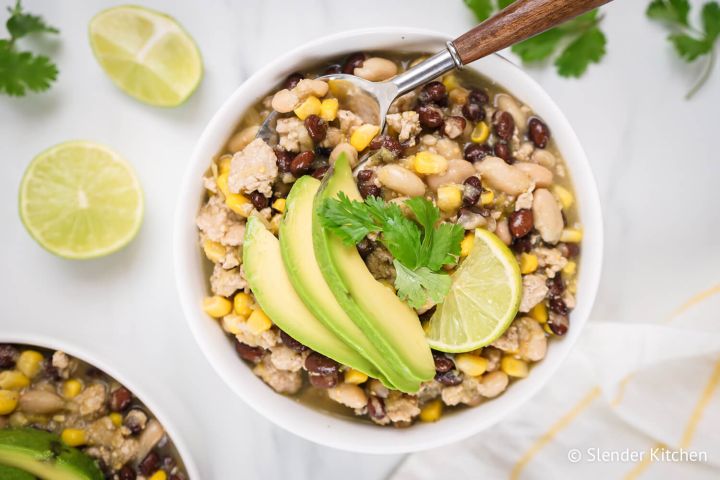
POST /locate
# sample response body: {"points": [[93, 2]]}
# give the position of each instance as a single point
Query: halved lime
{"points": [[81, 200], [147, 54], [483, 300]]}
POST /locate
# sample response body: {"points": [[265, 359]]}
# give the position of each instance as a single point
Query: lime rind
{"points": [[483, 300], [39, 221]]}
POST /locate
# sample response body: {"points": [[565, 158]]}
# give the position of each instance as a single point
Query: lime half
{"points": [[483, 300], [81, 200], [147, 54]]}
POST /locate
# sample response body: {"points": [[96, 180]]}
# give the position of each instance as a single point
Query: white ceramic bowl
{"points": [[82, 354], [344, 433]]}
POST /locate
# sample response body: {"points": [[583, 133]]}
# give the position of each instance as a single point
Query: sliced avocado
{"points": [[12, 473], [387, 321], [268, 279], [44, 455], [296, 244]]}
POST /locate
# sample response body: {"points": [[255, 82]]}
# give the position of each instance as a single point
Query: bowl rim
{"points": [[84, 354], [337, 432]]}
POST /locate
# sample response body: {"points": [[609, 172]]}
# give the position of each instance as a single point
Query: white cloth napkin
{"points": [[631, 401]]}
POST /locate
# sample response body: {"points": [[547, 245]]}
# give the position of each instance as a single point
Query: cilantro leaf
{"points": [[540, 46], [711, 21], [671, 11], [481, 8], [21, 24], [416, 286], [349, 220], [445, 246], [399, 234], [586, 49], [689, 48], [22, 71]]}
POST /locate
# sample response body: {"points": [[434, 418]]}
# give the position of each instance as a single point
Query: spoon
{"points": [[519, 21]]}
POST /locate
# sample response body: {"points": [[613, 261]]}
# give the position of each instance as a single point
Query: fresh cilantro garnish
{"points": [[579, 41], [690, 42], [22, 71], [420, 248]]}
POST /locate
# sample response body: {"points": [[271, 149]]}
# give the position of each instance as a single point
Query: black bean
{"points": [[433, 92], [246, 352], [503, 124], [120, 399], [316, 127], [365, 247], [520, 222], [427, 315], [320, 172], [443, 363], [322, 155], [569, 250], [291, 343], [388, 142], [522, 244], [292, 80], [8, 356], [324, 381], [284, 160], [369, 190], [449, 378], [168, 463], [430, 116], [558, 306], [502, 150], [127, 473], [376, 408], [149, 464], [473, 111], [556, 286], [333, 69], [258, 200], [302, 163], [538, 132], [320, 364], [475, 152], [135, 421], [478, 96], [559, 324], [471, 191], [365, 175], [354, 61]]}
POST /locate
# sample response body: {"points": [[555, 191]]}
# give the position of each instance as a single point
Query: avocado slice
{"points": [[12, 473], [44, 455], [268, 279], [296, 244], [389, 323]]}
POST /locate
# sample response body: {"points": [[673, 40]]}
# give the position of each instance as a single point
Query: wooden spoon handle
{"points": [[519, 21]]}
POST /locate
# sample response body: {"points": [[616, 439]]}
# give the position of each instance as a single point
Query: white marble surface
{"points": [[654, 155]]}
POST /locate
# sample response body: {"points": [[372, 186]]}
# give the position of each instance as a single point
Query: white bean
{"points": [[153, 433], [40, 402], [401, 180], [242, 138], [547, 216], [285, 101], [348, 150], [532, 341], [376, 69], [539, 174], [508, 103], [503, 177], [448, 149], [457, 172], [543, 157], [493, 384], [503, 231], [349, 395], [307, 87]]}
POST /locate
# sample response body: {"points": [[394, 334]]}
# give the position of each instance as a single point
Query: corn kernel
{"points": [[480, 133], [8, 401], [116, 418], [214, 251], [73, 437], [224, 164], [539, 312], [328, 109], [311, 106], [431, 411], [239, 204], [428, 163], [71, 388], [471, 364], [467, 244], [159, 475], [355, 377], [222, 183], [363, 135], [13, 380], [279, 205], [572, 287], [514, 367], [258, 322], [450, 81], [569, 268], [449, 198], [547, 329], [29, 363], [217, 306], [231, 323], [528, 263], [571, 235], [242, 304], [487, 197], [563, 194]]}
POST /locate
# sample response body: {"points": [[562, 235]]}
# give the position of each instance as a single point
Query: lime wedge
{"points": [[147, 54], [483, 300], [81, 200]]}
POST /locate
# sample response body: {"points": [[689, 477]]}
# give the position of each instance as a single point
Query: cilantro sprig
{"points": [[21, 71], [690, 42], [580, 42], [420, 248]]}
